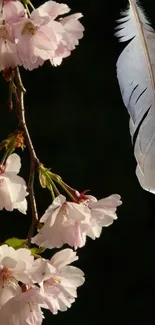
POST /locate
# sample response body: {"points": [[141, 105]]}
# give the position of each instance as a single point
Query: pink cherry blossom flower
{"points": [[73, 29], [103, 213], [12, 187], [59, 281], [24, 308], [40, 37], [14, 267], [34, 39], [65, 222]]}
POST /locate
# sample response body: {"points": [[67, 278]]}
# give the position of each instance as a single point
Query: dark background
{"points": [[79, 128]]}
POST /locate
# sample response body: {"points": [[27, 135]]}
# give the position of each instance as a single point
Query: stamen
{"points": [[5, 277], [30, 302], [64, 211], [4, 33], [29, 29], [31, 305], [52, 282]]}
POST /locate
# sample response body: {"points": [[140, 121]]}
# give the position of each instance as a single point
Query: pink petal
{"points": [[9, 56], [63, 257], [17, 188], [94, 231], [50, 10], [13, 11], [5, 198], [78, 212], [111, 201], [13, 163]]}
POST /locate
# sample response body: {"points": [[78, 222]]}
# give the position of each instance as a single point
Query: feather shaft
{"points": [[142, 37]]}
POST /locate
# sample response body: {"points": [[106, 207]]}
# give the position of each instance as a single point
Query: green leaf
{"points": [[15, 242], [36, 251]]}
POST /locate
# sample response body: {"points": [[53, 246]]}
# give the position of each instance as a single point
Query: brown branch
{"points": [[34, 161]]}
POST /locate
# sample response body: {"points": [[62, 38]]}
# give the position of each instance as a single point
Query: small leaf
{"points": [[15, 242], [36, 251]]}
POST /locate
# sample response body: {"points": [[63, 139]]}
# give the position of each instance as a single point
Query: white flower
{"points": [[70, 223], [58, 280], [14, 267], [65, 222], [23, 309], [12, 187], [103, 213]]}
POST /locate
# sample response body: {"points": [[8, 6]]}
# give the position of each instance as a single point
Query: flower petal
{"points": [[21, 206], [63, 257], [50, 10], [13, 164], [5, 197], [17, 187]]}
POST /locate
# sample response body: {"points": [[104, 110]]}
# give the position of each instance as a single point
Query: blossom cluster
{"points": [[30, 283], [27, 285], [64, 222], [28, 39]]}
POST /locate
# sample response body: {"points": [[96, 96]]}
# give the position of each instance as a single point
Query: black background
{"points": [[79, 127]]}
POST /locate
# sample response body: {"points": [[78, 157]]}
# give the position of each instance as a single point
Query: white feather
{"points": [[135, 72]]}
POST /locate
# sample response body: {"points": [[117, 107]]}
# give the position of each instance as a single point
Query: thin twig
{"points": [[34, 161]]}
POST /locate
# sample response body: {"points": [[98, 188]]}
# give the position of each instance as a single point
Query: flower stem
{"points": [[31, 5], [62, 184], [52, 192], [55, 188], [34, 161], [28, 11]]}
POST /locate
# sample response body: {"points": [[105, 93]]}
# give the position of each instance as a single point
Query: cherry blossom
{"points": [[31, 40], [24, 308], [103, 213], [69, 222], [12, 187], [72, 29], [14, 267], [34, 39], [65, 222], [58, 280]]}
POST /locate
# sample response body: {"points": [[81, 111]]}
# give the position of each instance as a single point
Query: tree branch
{"points": [[34, 161]]}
